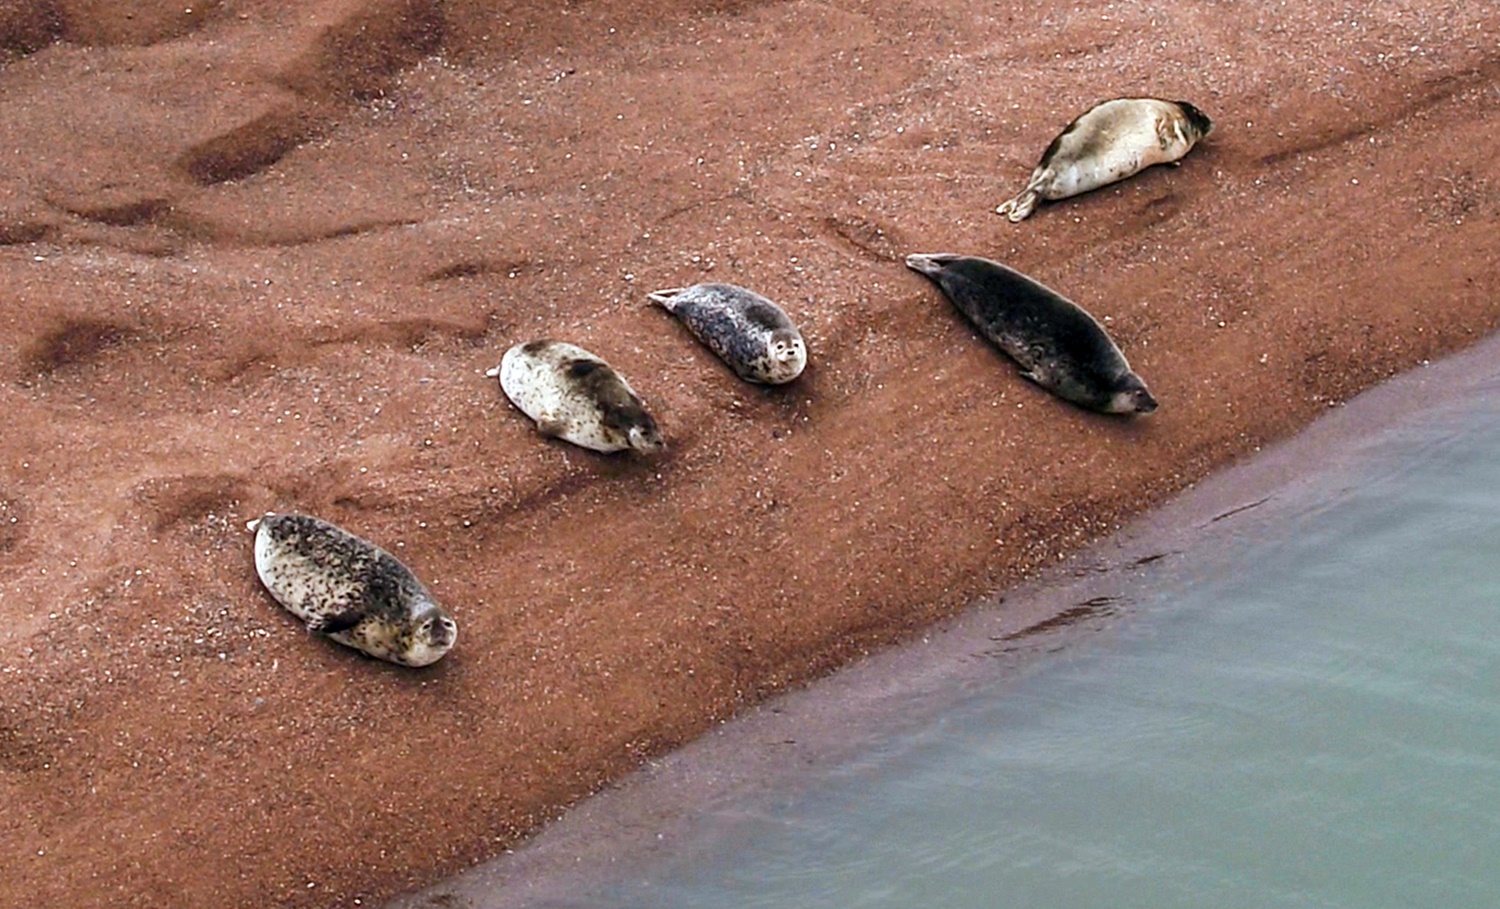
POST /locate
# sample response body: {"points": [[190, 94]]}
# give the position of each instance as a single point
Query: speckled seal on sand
{"points": [[754, 336], [350, 590], [1109, 142], [577, 397], [1058, 345]]}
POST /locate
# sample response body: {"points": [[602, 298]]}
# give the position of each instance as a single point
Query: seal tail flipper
{"points": [[929, 264], [663, 298], [1020, 207]]}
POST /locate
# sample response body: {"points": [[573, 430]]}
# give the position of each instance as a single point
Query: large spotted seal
{"points": [[350, 590], [748, 332], [577, 397], [1109, 142], [1058, 345]]}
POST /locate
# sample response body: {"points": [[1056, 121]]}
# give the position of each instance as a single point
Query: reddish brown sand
{"points": [[257, 254]]}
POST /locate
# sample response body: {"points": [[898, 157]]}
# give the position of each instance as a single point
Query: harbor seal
{"points": [[1058, 345], [747, 331], [577, 397], [350, 590], [1109, 142]]}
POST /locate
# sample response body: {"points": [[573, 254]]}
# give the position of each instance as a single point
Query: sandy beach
{"points": [[709, 810], [258, 256]]}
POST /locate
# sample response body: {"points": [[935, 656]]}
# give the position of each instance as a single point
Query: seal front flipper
{"points": [[550, 427], [333, 623]]}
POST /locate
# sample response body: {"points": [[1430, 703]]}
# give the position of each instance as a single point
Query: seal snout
{"points": [[788, 355], [442, 631], [646, 438], [1134, 397]]}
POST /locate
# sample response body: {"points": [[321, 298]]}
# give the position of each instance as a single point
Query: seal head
{"points": [[752, 335], [1199, 125], [350, 590], [1057, 344], [577, 397]]}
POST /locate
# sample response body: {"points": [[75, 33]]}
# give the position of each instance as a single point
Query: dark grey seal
{"points": [[1058, 345]]}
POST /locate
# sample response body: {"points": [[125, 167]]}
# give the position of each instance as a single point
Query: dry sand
{"points": [[257, 255]]}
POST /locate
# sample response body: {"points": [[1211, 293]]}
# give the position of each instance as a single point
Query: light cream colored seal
{"points": [[1110, 142], [577, 397]]}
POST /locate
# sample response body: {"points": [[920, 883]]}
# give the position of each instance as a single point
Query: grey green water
{"points": [[1307, 717]]}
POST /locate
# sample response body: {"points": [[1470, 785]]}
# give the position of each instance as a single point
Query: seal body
{"points": [[1057, 344], [350, 590], [577, 397], [1110, 142], [747, 331]]}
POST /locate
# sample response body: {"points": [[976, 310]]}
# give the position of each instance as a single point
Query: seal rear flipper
{"points": [[663, 298], [930, 264], [1019, 208], [336, 622]]}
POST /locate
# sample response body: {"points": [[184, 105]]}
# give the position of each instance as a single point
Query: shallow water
{"points": [[1306, 716]]}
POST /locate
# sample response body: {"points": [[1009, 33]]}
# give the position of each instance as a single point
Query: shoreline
{"points": [[781, 746], [260, 259]]}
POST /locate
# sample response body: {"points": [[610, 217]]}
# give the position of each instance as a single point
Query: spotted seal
{"points": [[1109, 142], [1058, 345], [577, 397], [350, 590], [747, 331]]}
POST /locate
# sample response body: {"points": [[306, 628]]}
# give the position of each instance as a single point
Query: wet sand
{"points": [[258, 256]]}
